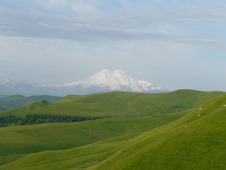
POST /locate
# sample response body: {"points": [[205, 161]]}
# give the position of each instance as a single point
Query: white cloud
{"points": [[166, 41], [81, 7], [84, 7], [90, 29], [166, 25]]}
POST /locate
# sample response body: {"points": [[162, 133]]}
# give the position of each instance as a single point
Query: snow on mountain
{"points": [[103, 81], [7, 81], [115, 80]]}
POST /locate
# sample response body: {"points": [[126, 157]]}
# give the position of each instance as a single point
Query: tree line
{"points": [[32, 119]]}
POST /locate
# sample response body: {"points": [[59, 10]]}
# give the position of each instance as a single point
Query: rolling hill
{"points": [[18, 100], [118, 104], [195, 141], [18, 141]]}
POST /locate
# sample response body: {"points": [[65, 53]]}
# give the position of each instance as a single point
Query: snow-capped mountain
{"points": [[115, 80], [103, 81]]}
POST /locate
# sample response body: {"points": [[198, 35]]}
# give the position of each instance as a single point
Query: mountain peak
{"points": [[107, 71], [115, 80], [104, 71], [119, 72], [103, 81]]}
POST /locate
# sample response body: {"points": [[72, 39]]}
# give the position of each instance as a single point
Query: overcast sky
{"points": [[175, 44]]}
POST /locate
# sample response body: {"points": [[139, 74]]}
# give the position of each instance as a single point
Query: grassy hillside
{"points": [[17, 101], [18, 141], [196, 141], [119, 104], [124, 113]]}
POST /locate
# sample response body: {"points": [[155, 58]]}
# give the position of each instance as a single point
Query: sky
{"points": [[176, 44]]}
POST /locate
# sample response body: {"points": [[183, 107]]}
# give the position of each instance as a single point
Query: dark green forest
{"points": [[32, 119]]}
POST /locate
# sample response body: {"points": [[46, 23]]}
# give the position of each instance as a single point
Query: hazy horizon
{"points": [[173, 44]]}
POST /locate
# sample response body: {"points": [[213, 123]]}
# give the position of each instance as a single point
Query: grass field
{"points": [[196, 141], [136, 131], [20, 140]]}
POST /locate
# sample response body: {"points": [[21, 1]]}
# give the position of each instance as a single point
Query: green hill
{"points": [[17, 101], [18, 141], [196, 141], [118, 104]]}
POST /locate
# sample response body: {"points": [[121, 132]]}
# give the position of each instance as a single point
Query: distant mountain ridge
{"points": [[103, 81]]}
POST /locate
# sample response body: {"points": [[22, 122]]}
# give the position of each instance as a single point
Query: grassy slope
{"points": [[119, 104], [22, 140], [17, 101], [196, 141]]}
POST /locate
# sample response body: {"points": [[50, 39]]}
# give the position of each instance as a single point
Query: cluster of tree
{"points": [[8, 120], [40, 119]]}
